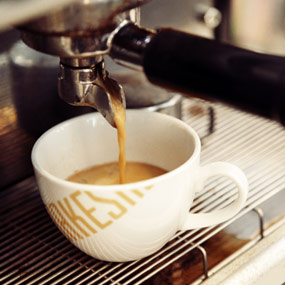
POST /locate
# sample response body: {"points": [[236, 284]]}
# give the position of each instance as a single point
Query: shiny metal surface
{"points": [[66, 46], [72, 46], [170, 107], [29, 105], [128, 45], [13, 13], [81, 17], [141, 94], [256, 266], [90, 87], [33, 251], [77, 34], [15, 143]]}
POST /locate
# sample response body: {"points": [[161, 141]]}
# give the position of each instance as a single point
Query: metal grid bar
{"points": [[33, 251], [198, 237]]}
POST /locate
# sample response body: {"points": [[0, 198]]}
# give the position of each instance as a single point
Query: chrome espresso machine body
{"points": [[219, 51], [85, 31]]}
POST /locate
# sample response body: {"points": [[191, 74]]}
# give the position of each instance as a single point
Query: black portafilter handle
{"points": [[206, 68]]}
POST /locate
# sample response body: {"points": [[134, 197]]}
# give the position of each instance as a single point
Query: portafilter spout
{"points": [[90, 86]]}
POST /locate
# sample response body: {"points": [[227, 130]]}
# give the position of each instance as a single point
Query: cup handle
{"points": [[199, 220]]}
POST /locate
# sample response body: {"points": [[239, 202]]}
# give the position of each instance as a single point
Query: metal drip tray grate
{"points": [[33, 251]]}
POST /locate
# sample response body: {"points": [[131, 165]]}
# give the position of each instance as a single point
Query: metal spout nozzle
{"points": [[90, 86]]}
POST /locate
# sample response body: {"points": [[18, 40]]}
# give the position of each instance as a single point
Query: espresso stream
{"points": [[120, 118], [121, 172]]}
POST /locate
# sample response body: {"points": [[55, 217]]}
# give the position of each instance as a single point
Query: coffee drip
{"points": [[81, 86]]}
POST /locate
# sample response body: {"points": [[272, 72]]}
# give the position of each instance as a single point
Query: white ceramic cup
{"points": [[130, 221]]}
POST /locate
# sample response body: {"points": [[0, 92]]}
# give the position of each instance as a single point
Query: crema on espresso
{"points": [[109, 173]]}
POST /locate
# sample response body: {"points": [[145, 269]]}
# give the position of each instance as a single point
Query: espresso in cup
{"points": [[109, 173]]}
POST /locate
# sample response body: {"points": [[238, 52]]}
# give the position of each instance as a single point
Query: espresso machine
{"points": [[59, 54], [85, 31], [76, 38]]}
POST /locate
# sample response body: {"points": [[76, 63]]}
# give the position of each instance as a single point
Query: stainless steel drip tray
{"points": [[33, 251], [261, 265]]}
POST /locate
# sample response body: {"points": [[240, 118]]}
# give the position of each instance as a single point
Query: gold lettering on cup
{"points": [[62, 223], [88, 212], [138, 193], [148, 187], [115, 203], [80, 222], [75, 219], [126, 197]]}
